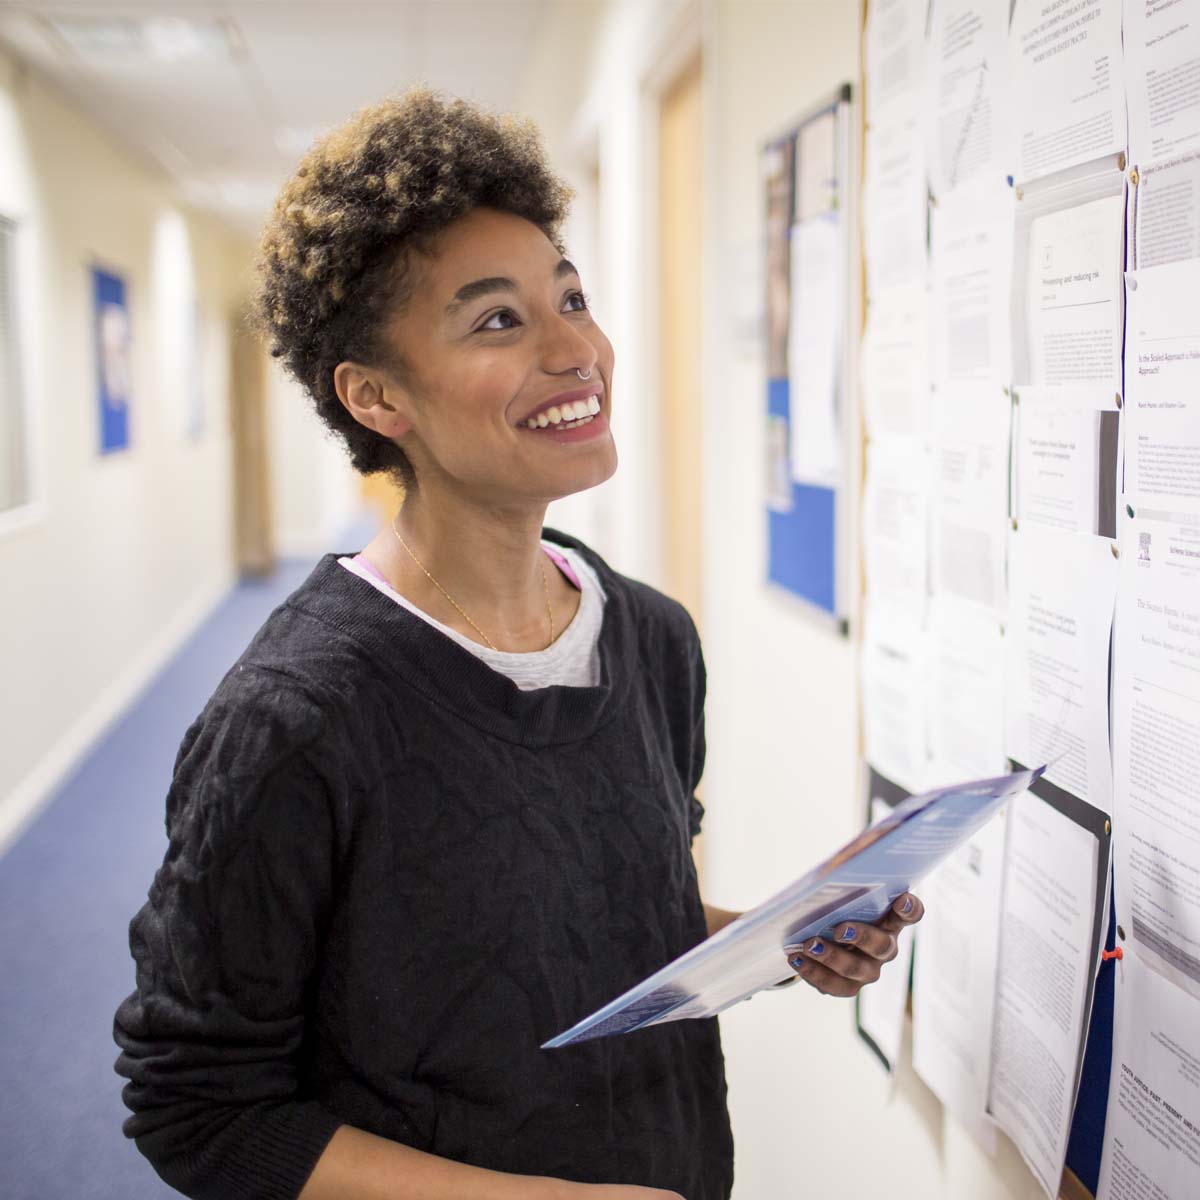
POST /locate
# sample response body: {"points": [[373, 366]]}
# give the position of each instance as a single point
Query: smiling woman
{"points": [[443, 804]]}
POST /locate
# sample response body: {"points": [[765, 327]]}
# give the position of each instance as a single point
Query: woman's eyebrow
{"points": [[498, 283], [479, 287]]}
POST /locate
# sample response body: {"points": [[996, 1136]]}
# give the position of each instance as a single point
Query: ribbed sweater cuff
{"points": [[266, 1153]]}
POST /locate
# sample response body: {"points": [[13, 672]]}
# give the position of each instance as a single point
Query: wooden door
{"points": [[680, 230], [680, 325], [254, 542]]}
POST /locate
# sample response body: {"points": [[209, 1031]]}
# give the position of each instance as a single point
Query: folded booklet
{"points": [[857, 883]]}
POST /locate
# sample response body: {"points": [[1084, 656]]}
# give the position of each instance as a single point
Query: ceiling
{"points": [[226, 96]]}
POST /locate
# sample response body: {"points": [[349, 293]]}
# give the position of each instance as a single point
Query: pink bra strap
{"points": [[363, 560], [565, 567]]}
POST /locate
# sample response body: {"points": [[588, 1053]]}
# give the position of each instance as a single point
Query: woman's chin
{"points": [[565, 470], [600, 468]]}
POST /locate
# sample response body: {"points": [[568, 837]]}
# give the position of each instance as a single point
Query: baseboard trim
{"points": [[20, 808]]}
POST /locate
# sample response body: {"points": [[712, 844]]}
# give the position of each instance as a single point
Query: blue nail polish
{"points": [[796, 962], [906, 907], [848, 933], [818, 947]]}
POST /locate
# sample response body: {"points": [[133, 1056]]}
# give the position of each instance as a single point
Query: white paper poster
{"points": [[1073, 293], [1162, 48], [1152, 1132], [1068, 84], [1162, 380], [814, 351], [816, 167], [894, 686], [895, 363], [895, 202], [954, 977], [968, 93], [894, 54], [966, 682], [1062, 588], [971, 270], [1156, 753], [969, 526], [1044, 981], [896, 524], [1167, 228], [1067, 448]]}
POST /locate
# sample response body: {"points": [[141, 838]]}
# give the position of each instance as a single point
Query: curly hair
{"points": [[335, 258]]}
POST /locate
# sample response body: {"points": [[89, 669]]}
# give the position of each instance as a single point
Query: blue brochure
{"points": [[858, 883]]}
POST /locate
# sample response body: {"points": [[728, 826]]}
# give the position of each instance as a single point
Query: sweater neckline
{"points": [[411, 655]]}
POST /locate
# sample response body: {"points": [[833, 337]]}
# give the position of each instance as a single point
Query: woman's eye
{"points": [[583, 299], [504, 312]]}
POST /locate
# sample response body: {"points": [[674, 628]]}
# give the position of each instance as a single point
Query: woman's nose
{"points": [[566, 348]]}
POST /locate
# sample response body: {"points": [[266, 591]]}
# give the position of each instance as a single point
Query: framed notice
{"points": [[113, 351]]}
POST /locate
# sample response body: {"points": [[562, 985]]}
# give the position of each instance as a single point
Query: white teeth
{"points": [[566, 416]]}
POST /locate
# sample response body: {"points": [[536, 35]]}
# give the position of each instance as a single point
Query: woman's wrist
{"points": [[548, 1189]]}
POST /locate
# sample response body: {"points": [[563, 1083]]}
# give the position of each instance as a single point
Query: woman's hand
{"points": [[856, 953]]}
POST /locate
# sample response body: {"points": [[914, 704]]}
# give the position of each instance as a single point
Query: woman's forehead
{"points": [[486, 243]]}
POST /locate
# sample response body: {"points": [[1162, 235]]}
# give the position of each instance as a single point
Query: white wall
{"points": [[813, 1113], [120, 555], [314, 490], [584, 85]]}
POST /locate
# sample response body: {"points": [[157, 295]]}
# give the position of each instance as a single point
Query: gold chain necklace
{"points": [[462, 611]]}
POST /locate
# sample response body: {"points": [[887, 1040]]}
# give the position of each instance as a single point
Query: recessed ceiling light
{"points": [[165, 39]]}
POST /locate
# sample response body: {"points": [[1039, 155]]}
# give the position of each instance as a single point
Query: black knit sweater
{"points": [[392, 875]]}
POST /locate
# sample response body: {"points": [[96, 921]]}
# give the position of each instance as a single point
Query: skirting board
{"points": [[34, 792]]}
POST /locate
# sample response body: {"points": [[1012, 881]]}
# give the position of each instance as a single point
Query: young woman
{"points": [[442, 806]]}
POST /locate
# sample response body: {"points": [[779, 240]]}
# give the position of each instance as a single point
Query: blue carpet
{"points": [[68, 888]]}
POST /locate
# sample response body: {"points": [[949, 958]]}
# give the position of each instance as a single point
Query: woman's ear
{"points": [[371, 399]]}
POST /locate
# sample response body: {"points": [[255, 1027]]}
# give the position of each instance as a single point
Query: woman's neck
{"points": [[489, 561]]}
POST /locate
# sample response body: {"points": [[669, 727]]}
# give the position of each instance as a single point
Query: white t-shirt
{"points": [[573, 659]]}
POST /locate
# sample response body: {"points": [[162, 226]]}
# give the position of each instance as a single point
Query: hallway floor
{"points": [[68, 888]]}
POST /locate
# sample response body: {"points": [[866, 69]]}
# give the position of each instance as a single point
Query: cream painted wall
{"points": [[585, 86], [813, 1114], [121, 555], [313, 488]]}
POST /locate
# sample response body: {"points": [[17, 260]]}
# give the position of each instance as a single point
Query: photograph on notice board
{"points": [[779, 478], [110, 310], [777, 168]]}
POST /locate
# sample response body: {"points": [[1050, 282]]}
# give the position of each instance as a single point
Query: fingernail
{"points": [[796, 963], [848, 933], [906, 907], [818, 947]]}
